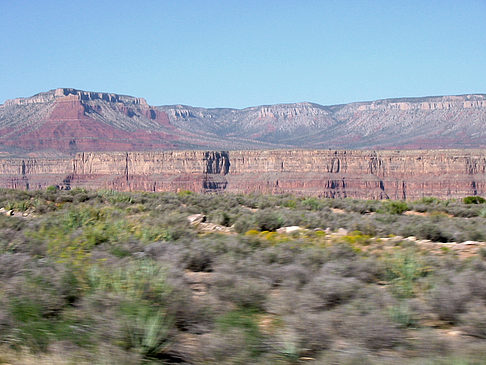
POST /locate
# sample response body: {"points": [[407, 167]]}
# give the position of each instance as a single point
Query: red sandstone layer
{"points": [[357, 174]]}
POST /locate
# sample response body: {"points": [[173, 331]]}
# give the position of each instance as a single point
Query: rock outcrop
{"points": [[325, 173], [74, 94]]}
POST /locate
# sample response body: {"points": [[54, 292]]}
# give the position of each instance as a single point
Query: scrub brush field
{"points": [[105, 277]]}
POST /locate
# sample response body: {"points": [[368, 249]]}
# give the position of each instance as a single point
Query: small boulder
{"points": [[290, 229], [470, 243], [196, 219], [212, 227], [341, 232]]}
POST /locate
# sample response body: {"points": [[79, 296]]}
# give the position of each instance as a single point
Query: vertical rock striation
{"points": [[325, 173]]}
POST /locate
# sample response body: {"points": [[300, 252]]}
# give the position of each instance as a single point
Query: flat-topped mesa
{"points": [[289, 110], [426, 103], [74, 94]]}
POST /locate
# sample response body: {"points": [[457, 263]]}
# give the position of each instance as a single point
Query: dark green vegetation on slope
{"points": [[109, 277]]}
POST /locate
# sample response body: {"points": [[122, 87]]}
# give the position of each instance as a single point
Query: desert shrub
{"points": [[237, 339], [294, 217], [35, 326], [341, 251], [190, 313], [482, 213], [139, 279], [364, 206], [312, 204], [13, 264], [42, 286], [402, 314], [386, 219], [474, 319], [476, 279], [312, 333], [12, 223], [52, 189], [447, 296], [474, 200], [146, 328], [404, 269], [244, 223], [463, 211], [376, 331], [198, 257], [245, 292], [312, 258], [64, 197], [418, 207], [125, 273], [143, 294], [289, 202], [226, 347], [357, 238], [427, 344], [326, 291], [367, 226], [221, 217], [268, 220], [394, 207], [282, 254], [367, 327], [33, 329], [291, 275], [433, 232], [245, 320], [475, 235], [429, 200], [367, 269]]}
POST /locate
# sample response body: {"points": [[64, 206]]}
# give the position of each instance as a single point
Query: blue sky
{"points": [[229, 53]]}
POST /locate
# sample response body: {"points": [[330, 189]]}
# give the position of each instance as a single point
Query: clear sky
{"points": [[238, 53]]}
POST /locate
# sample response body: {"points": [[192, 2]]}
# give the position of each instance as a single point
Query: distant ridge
{"points": [[68, 120]]}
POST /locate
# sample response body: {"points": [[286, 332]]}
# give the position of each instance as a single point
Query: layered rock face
{"points": [[324, 173], [69, 120], [66, 121]]}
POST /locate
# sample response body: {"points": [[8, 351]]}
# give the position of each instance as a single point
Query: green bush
{"points": [[312, 204], [52, 189], [404, 270], [394, 207], [146, 328], [144, 294], [474, 200], [36, 330]]}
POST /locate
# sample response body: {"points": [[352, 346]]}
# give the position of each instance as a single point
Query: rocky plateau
{"points": [[324, 173], [66, 121], [396, 148]]}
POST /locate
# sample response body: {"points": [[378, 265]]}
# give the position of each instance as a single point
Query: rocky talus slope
{"points": [[66, 121], [325, 173]]}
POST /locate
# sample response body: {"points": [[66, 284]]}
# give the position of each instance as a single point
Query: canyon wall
{"points": [[66, 121], [325, 173]]}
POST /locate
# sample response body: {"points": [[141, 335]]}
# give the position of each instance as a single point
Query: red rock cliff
{"points": [[357, 174]]}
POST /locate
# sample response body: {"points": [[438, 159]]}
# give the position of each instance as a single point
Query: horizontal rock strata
{"points": [[67, 121], [324, 173]]}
